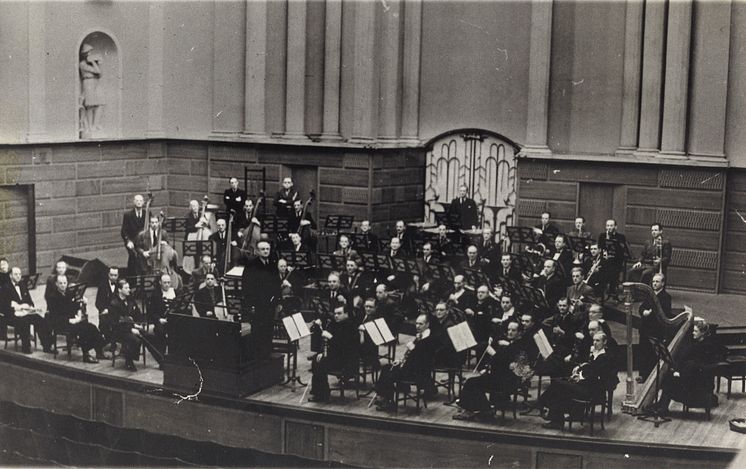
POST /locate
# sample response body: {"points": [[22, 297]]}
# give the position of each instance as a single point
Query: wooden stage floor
{"points": [[694, 431]]}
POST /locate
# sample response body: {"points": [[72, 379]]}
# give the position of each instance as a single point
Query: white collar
{"points": [[596, 353]]}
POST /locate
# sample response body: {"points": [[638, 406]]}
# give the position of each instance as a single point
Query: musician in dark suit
{"points": [[147, 241], [60, 268], [593, 269], [460, 297], [579, 290], [546, 230], [260, 288], [13, 295], [4, 272], [507, 271], [158, 308], [406, 239], [303, 224], [352, 280], [366, 241], [368, 348], [472, 260], [133, 222], [652, 326], [562, 255], [550, 282], [66, 317], [345, 250], [207, 265], [654, 257], [586, 380], [220, 238], [415, 366], [481, 313], [579, 230], [234, 198], [207, 297], [496, 376], [560, 329], [613, 246], [285, 198], [489, 252], [343, 354], [444, 318], [105, 293], [126, 316], [463, 211], [442, 245]]}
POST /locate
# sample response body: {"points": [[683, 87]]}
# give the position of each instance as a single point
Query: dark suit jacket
{"points": [[157, 307], [650, 251], [367, 242], [132, 226], [284, 210], [123, 314], [574, 292], [344, 346], [615, 246], [465, 213], [204, 303], [104, 295], [260, 286], [61, 308], [8, 294], [234, 199]]}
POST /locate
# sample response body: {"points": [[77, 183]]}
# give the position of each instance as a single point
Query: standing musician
{"points": [[233, 197], [343, 352], [405, 238], [197, 221], [652, 326], [147, 244], [126, 316], [66, 316], [302, 223], [463, 211], [286, 198], [132, 224], [654, 257], [489, 252], [261, 289], [220, 238], [416, 366], [366, 241], [613, 245], [17, 308]]}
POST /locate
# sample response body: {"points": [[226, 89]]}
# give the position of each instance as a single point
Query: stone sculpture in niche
{"points": [[92, 102]]}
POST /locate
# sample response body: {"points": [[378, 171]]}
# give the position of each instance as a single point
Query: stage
{"points": [[347, 431]]}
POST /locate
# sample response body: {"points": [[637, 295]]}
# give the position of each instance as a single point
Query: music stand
{"points": [[197, 249], [653, 414], [368, 261], [578, 244], [521, 235]]}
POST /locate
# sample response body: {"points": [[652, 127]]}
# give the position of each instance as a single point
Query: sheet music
{"points": [[291, 328], [461, 337], [373, 332], [385, 331], [545, 348], [300, 323], [236, 271]]}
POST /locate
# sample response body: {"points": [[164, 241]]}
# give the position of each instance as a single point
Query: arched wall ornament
{"points": [[98, 79], [485, 161]]}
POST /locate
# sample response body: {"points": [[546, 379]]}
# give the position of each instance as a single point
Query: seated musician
{"points": [[207, 266], [579, 290], [507, 271], [367, 241], [443, 318], [586, 380], [490, 252], [220, 238], [126, 316], [4, 272], [388, 309], [563, 256], [690, 381], [158, 305], [550, 282], [425, 282], [16, 306], [505, 313], [67, 317], [107, 291], [481, 313], [353, 281], [345, 250], [416, 366], [194, 220], [60, 268], [613, 245], [406, 243], [337, 295], [291, 279], [443, 246], [652, 326], [368, 348], [579, 229], [147, 243], [463, 211], [529, 327], [460, 297], [654, 257], [593, 267], [243, 219], [596, 313], [584, 343], [343, 354], [208, 296], [560, 330], [472, 260], [505, 358], [546, 230]]}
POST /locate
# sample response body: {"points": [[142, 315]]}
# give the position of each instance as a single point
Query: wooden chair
{"points": [[403, 393]]}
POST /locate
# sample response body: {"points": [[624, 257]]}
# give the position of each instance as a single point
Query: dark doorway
{"points": [[18, 225], [305, 180], [598, 203]]}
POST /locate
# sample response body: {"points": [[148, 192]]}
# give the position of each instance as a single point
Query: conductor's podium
{"points": [[212, 356]]}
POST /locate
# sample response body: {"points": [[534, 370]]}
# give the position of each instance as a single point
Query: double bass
{"points": [[202, 234], [142, 262], [251, 234], [163, 258]]}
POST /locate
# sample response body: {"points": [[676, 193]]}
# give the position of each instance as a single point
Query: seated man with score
{"points": [[18, 309], [342, 354], [67, 316], [416, 366], [126, 318]]}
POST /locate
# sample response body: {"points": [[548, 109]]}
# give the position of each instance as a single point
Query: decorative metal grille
{"points": [[484, 162]]}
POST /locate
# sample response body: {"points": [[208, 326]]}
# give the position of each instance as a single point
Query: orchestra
{"points": [[422, 282]]}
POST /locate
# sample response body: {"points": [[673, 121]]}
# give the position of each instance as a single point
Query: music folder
{"points": [[296, 326], [461, 336], [545, 348], [379, 331]]}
